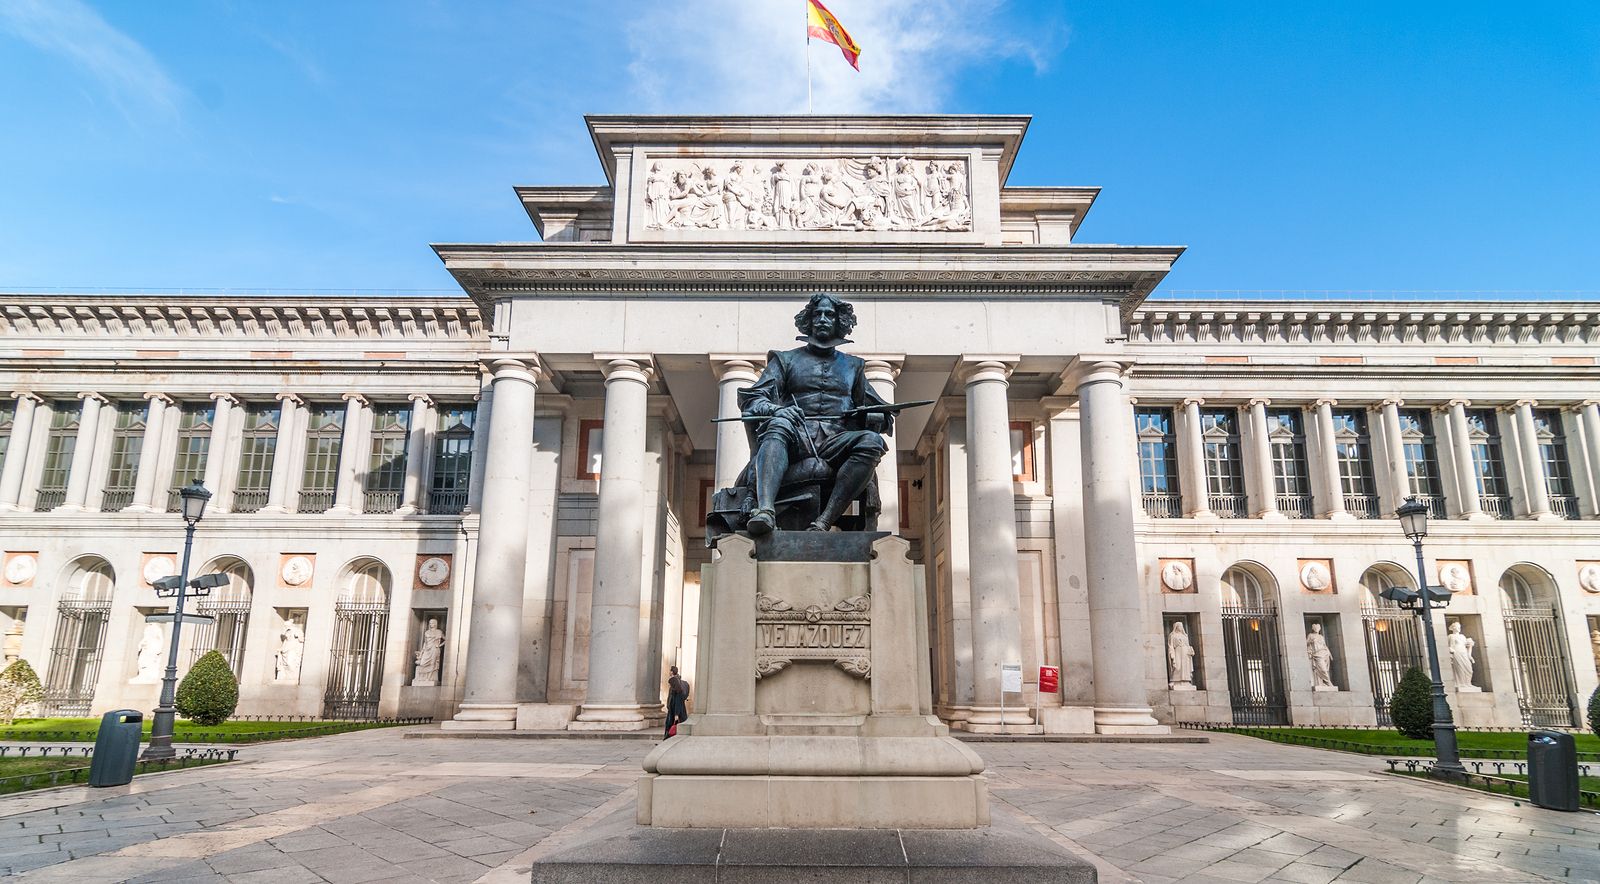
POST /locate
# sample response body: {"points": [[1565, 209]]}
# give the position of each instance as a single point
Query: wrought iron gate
{"points": [[75, 657], [1255, 667], [1539, 666], [1394, 645], [355, 672], [225, 634]]}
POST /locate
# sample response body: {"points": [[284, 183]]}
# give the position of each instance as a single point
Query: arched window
{"points": [[80, 637], [1252, 645], [360, 637], [230, 605], [1540, 666], [1393, 635]]}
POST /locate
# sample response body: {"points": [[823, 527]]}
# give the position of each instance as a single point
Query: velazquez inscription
{"points": [[841, 634]]}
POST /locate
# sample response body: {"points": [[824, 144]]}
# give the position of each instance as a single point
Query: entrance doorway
{"points": [[1393, 636], [1539, 662], [360, 634], [1250, 638]]}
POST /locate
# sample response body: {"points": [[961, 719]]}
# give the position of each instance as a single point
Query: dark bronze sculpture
{"points": [[816, 432]]}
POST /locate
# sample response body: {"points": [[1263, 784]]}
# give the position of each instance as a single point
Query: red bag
{"points": [[672, 731]]}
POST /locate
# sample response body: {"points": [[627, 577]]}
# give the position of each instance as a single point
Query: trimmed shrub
{"points": [[19, 686], [1594, 712], [209, 693], [1411, 707]]}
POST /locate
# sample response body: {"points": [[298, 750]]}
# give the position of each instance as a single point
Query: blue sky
{"points": [[321, 146]]}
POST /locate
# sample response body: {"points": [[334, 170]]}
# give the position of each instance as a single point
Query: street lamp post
{"points": [[1413, 516], [194, 506]]}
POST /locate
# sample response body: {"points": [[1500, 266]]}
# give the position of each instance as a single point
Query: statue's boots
{"points": [[848, 483]]}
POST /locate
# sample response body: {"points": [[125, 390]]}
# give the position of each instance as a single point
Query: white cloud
{"points": [[749, 56], [131, 76]]}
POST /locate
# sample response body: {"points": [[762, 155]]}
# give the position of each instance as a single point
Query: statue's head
{"points": [[826, 318]]}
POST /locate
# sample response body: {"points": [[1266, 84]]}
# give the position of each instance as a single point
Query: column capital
{"points": [[24, 395], [1588, 403], [737, 367], [289, 399], [1093, 371], [1391, 402], [882, 368], [523, 367], [1259, 400], [978, 369], [1196, 401], [636, 367], [219, 398], [94, 396], [424, 398], [1459, 403], [1325, 401], [357, 398], [1526, 403]]}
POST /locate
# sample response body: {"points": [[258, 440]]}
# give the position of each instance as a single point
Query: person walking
{"points": [[677, 701]]}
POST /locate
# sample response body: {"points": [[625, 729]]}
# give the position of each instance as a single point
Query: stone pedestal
{"points": [[814, 709]]}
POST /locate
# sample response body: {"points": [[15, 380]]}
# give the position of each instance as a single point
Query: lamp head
{"points": [[168, 585], [1413, 515], [194, 497], [207, 582]]}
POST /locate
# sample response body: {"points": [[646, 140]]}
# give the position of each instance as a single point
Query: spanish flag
{"points": [[821, 24]]}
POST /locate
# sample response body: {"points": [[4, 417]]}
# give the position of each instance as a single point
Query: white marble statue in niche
{"points": [[151, 646], [847, 193], [1321, 657], [1461, 666], [291, 648], [1180, 659], [429, 656]]}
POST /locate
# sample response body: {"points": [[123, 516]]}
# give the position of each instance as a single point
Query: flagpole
{"points": [[806, 4]]}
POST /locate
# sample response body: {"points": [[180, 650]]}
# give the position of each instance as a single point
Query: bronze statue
{"points": [[816, 429]]}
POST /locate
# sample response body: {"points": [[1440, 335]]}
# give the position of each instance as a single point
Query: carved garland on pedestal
{"points": [[841, 634]]}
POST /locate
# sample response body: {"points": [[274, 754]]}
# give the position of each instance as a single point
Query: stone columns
{"points": [[1466, 467], [1261, 452], [480, 447], [734, 373], [612, 701], [217, 451], [1533, 479], [1328, 449], [416, 453], [1116, 615], [489, 700], [1192, 449], [278, 490], [83, 453], [1589, 414], [881, 374], [992, 536], [1399, 475], [17, 451], [352, 454]]}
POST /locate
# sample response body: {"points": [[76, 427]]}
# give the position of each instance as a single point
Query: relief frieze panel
{"points": [[842, 193], [841, 635]]}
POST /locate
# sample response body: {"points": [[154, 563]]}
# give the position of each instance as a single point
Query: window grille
{"points": [[257, 453], [82, 620], [452, 460], [1557, 468], [1421, 450], [127, 446], [324, 438], [1353, 449], [1393, 639], [1489, 466], [1219, 435], [1540, 670], [1250, 637], [386, 470], [230, 606], [1291, 476], [194, 445], [1158, 462], [59, 445]]}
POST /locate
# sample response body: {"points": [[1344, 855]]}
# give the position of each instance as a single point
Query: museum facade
{"points": [[491, 509]]}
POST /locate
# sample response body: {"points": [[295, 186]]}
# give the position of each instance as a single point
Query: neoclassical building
{"points": [[1186, 506]]}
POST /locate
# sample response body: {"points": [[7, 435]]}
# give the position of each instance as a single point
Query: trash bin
{"points": [[116, 748], [1553, 770]]}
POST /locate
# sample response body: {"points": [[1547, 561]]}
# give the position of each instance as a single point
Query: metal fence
{"points": [[1255, 665]]}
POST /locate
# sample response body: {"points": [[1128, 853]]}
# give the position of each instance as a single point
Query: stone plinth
{"points": [[814, 709]]}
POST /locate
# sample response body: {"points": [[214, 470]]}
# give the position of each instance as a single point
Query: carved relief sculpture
{"points": [[1589, 577], [21, 569], [291, 647], [841, 634], [429, 656], [1176, 576], [1321, 657], [151, 647], [1461, 665], [1180, 659], [846, 193]]}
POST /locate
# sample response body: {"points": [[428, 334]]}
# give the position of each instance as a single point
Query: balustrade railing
{"points": [[1163, 505], [1229, 506], [446, 503], [1564, 506], [115, 499], [315, 502], [1362, 506], [1497, 505], [249, 501], [380, 501], [1435, 505], [49, 499], [1295, 506]]}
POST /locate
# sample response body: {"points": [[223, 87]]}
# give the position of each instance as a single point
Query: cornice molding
{"points": [[1368, 323], [285, 317]]}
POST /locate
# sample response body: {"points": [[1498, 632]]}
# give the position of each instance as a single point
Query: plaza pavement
{"points": [[373, 806]]}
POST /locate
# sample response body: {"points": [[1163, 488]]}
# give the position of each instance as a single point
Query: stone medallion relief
{"points": [[1589, 579], [21, 567], [845, 193]]}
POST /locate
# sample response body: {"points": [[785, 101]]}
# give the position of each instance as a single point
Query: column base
{"points": [[606, 717], [269, 509], [1547, 517], [991, 720], [1340, 517], [545, 716], [406, 509], [1478, 517], [1127, 720], [70, 508], [483, 717], [1273, 516]]}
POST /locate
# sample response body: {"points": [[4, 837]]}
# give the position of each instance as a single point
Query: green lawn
{"points": [[1381, 742], [19, 767], [84, 729]]}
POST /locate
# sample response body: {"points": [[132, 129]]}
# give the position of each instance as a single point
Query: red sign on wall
{"points": [[1049, 679]]}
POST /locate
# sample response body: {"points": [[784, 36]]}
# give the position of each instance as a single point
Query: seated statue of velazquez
{"points": [[816, 432]]}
